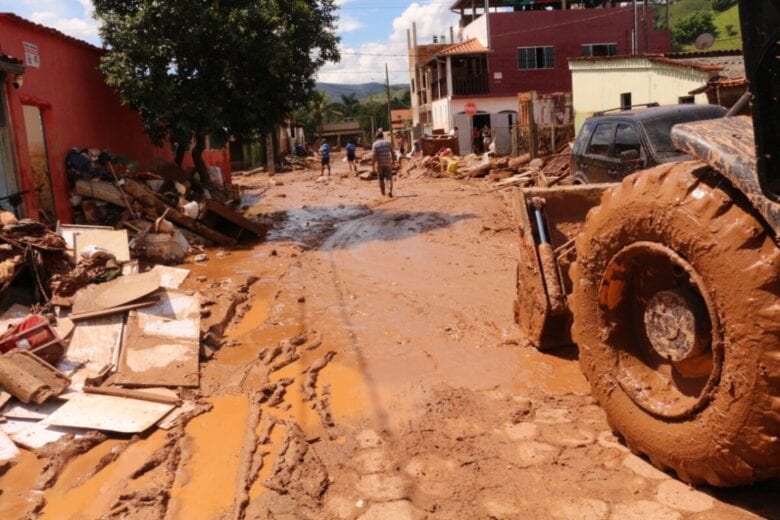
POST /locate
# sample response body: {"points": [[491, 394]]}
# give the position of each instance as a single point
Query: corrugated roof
{"points": [[655, 58], [11, 17], [730, 66], [472, 46]]}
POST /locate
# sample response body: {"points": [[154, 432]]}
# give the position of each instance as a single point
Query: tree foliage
{"points": [[689, 28], [722, 5], [194, 68]]}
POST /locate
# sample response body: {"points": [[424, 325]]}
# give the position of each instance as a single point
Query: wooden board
{"points": [[162, 344], [34, 434], [114, 240], [96, 340], [108, 413], [119, 291], [171, 277], [31, 411]]}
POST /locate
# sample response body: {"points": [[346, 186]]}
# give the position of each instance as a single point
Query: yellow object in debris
{"points": [[449, 165]]}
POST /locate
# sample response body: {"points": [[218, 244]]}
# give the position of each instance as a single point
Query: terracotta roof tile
{"points": [[472, 46]]}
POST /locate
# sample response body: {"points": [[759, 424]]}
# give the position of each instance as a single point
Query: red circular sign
{"points": [[470, 109]]}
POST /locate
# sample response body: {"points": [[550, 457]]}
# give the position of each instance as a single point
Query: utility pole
{"points": [[635, 36], [389, 114]]}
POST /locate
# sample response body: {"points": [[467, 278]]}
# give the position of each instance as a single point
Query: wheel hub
{"points": [[663, 330], [675, 325]]}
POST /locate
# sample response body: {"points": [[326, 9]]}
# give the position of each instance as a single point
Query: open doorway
{"points": [[8, 183], [39, 161], [479, 122]]}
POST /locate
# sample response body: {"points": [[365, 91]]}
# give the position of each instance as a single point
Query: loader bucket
{"points": [[548, 220]]}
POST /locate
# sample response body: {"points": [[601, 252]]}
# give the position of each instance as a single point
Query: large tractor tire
{"points": [[677, 318]]}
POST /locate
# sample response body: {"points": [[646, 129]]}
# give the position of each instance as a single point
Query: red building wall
{"points": [[78, 109], [566, 30]]}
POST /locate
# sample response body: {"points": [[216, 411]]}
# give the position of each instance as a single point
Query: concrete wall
{"points": [[566, 31], [597, 85], [78, 109], [477, 29], [445, 109]]}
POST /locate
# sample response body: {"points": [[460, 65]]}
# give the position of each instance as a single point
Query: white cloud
{"points": [[84, 28], [348, 23], [366, 62]]}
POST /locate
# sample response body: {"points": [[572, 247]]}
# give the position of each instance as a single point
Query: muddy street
{"points": [[373, 371]]}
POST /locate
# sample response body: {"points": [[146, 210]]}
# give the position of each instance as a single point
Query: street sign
{"points": [[470, 109]]}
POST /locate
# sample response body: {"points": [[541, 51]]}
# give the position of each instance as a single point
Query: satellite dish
{"points": [[704, 41]]}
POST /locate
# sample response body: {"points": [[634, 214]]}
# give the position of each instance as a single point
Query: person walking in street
{"points": [[351, 157], [382, 162], [325, 158]]}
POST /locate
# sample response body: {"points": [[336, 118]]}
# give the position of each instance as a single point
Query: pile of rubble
{"points": [[166, 210], [108, 342], [503, 171]]}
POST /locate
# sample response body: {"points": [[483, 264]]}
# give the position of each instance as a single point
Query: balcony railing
{"points": [[470, 86]]}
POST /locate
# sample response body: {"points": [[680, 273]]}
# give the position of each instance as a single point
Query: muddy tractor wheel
{"points": [[677, 318]]}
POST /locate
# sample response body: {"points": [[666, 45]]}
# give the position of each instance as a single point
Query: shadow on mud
{"points": [[751, 498], [344, 226]]}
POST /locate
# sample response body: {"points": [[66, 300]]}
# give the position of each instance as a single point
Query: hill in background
{"points": [[727, 22], [334, 91]]}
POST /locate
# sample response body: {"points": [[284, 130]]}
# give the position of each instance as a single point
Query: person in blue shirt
{"points": [[351, 157], [325, 158]]}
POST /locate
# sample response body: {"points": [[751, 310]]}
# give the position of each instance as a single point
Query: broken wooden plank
{"points": [[36, 435], [108, 413], [95, 340], [113, 310], [131, 394], [120, 291], [30, 411], [230, 222], [159, 351], [171, 277]]}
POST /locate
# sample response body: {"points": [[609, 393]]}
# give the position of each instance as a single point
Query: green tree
{"points": [[210, 67], [372, 110], [689, 28], [722, 5], [350, 103]]}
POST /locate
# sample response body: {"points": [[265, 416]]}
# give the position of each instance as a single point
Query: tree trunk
{"points": [[181, 149], [197, 157], [270, 160]]}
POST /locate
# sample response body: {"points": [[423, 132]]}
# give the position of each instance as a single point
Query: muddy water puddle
{"points": [[16, 485], [95, 495], [255, 317], [205, 484]]}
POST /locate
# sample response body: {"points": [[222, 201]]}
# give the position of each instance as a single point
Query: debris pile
{"points": [[503, 171], [166, 210], [107, 341], [117, 356]]}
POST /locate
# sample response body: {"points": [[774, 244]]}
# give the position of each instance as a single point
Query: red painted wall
{"points": [[78, 108], [565, 30]]}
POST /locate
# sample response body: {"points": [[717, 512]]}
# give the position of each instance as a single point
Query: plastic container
{"points": [[158, 246]]}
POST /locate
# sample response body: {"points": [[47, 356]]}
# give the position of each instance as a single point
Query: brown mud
{"points": [[375, 372]]}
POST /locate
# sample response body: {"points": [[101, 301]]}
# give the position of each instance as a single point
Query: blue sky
{"points": [[373, 32]]}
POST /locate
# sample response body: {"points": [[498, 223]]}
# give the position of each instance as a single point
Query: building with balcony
{"points": [[504, 47]]}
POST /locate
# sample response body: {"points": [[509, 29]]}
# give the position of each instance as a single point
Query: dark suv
{"points": [[611, 145]]}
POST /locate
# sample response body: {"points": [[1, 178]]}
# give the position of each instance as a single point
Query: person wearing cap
{"points": [[382, 162]]}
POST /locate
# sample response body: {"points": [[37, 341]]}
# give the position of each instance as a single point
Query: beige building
{"points": [[603, 83]]}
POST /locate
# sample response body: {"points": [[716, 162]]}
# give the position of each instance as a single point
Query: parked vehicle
{"points": [[611, 145], [670, 287]]}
